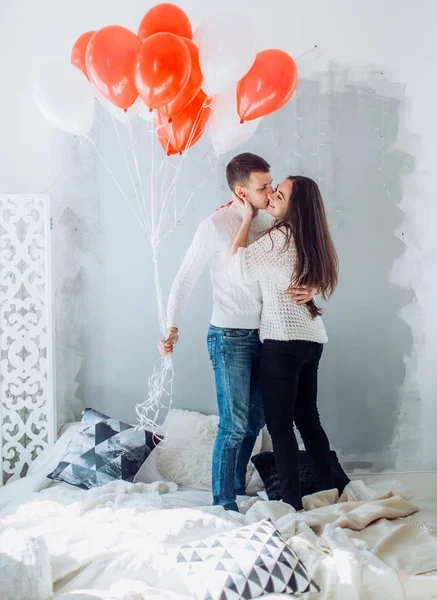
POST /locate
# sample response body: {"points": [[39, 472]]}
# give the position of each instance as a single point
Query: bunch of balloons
{"points": [[184, 81]]}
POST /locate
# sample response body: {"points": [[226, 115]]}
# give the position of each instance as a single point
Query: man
{"points": [[233, 343]]}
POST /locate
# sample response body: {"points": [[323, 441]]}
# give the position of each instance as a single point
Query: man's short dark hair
{"points": [[239, 169]]}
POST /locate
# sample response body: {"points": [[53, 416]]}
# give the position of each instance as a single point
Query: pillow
{"points": [[186, 456], [103, 450], [243, 563], [266, 467], [47, 460], [149, 472]]}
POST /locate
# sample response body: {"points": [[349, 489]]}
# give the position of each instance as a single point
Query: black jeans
{"points": [[289, 390]]}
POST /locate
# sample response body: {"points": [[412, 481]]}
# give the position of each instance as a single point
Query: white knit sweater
{"points": [[236, 304], [266, 261]]}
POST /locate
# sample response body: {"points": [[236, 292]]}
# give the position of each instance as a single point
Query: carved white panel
{"points": [[27, 407]]}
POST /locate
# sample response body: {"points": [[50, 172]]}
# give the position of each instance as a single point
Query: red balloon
{"points": [[162, 69], [267, 86], [191, 88], [165, 17], [187, 127], [110, 59], [165, 142], [79, 50]]}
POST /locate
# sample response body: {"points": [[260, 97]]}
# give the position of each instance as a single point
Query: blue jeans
{"points": [[235, 357]]}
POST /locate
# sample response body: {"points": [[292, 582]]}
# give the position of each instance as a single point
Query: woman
{"points": [[296, 251]]}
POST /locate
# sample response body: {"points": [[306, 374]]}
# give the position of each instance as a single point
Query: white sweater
{"points": [[266, 261], [236, 304]]}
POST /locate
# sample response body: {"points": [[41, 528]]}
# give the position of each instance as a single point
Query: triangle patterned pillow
{"points": [[243, 563], [103, 450]]}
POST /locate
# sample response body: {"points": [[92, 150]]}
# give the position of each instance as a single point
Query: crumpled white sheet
{"points": [[25, 570], [116, 542]]}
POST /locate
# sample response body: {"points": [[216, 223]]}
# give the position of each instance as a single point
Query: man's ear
{"points": [[239, 192]]}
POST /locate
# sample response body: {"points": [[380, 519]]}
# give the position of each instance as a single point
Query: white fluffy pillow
{"points": [[185, 457]]}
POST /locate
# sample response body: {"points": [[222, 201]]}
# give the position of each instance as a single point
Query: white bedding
{"points": [[117, 542]]}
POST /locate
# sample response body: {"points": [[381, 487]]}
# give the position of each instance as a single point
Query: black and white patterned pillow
{"points": [[243, 563], [103, 450]]}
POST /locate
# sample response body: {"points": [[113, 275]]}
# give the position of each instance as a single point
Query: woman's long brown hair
{"points": [[305, 222]]}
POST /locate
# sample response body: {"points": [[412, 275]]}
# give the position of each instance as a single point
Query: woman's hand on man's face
{"points": [[244, 208]]}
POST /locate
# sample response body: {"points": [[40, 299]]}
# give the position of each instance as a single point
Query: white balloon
{"points": [[124, 116], [145, 112], [227, 50], [65, 97], [224, 128]]}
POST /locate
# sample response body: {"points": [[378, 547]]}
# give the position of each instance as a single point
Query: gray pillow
{"points": [[103, 450]]}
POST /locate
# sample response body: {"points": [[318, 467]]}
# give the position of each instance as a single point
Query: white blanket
{"points": [[116, 542]]}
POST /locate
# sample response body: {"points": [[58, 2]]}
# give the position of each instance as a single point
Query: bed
{"points": [[118, 541]]}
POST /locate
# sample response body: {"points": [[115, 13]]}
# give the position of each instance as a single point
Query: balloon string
{"points": [[129, 170], [142, 203], [218, 160], [164, 197], [140, 182], [122, 192], [152, 214], [172, 188], [153, 238], [166, 161], [160, 384], [153, 185], [179, 218], [313, 49], [169, 192]]}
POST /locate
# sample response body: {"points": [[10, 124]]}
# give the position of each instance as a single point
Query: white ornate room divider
{"points": [[27, 407]]}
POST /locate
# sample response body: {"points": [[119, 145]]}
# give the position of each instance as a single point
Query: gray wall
{"points": [[335, 137]]}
